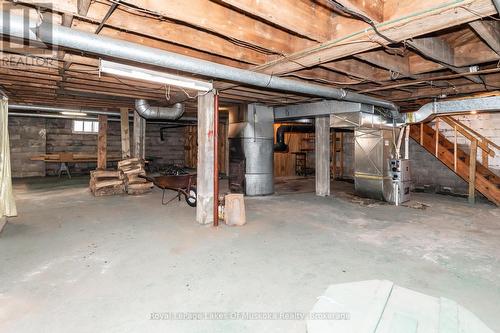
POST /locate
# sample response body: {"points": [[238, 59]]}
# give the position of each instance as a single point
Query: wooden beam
{"points": [[205, 168], [399, 65], [213, 17], [358, 69], [302, 17], [489, 31], [353, 37], [136, 136], [472, 172], [440, 51], [125, 132], [322, 155], [83, 7], [200, 46], [102, 142], [373, 9]]}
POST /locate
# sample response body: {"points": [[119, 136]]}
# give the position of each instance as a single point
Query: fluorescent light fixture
{"points": [[69, 113], [153, 76]]}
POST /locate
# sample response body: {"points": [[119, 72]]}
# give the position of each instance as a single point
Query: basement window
{"points": [[85, 127]]}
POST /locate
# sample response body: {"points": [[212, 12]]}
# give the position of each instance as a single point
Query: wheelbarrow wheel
{"points": [[191, 197]]}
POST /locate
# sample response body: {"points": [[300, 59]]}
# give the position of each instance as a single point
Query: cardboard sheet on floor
{"points": [[379, 306]]}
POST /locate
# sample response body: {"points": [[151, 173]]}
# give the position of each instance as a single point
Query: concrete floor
{"points": [[72, 261]]}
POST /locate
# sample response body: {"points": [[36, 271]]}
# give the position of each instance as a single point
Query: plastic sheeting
{"points": [[7, 203]]}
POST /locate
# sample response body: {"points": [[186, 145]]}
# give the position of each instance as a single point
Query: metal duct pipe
{"points": [[429, 110], [156, 112], [46, 32], [280, 145]]}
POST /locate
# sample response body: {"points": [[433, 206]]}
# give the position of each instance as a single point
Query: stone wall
{"points": [[27, 137], [35, 136]]}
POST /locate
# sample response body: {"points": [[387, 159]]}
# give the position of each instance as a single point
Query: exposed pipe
{"points": [[280, 145], [162, 129], [109, 47], [53, 116], [156, 112], [407, 143], [41, 108], [51, 109], [61, 116]]}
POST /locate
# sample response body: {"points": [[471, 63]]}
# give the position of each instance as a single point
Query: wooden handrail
{"points": [[473, 132], [482, 142]]}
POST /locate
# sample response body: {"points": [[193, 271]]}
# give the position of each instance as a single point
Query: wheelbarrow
{"points": [[183, 184]]}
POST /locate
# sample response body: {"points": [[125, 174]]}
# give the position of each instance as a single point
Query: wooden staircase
{"points": [[477, 174]]}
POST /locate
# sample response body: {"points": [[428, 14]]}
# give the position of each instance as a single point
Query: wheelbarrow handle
{"points": [[147, 178]]}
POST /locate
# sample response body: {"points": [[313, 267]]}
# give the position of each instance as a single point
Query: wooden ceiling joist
{"points": [[355, 38]]}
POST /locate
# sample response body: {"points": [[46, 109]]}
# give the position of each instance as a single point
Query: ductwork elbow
{"points": [[155, 112]]}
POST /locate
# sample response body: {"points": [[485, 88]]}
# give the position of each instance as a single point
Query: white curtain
{"points": [[7, 203]]}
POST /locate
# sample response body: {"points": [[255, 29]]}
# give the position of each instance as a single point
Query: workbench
{"points": [[64, 159]]}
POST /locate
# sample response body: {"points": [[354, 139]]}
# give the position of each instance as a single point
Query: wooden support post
{"points": [[139, 136], [484, 155], [125, 132], [455, 152], [143, 138], [102, 142], [437, 137], [136, 135], [421, 134], [341, 162], [322, 155], [334, 155], [472, 171], [205, 169]]}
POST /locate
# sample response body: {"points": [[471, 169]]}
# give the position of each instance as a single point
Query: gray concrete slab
{"points": [[72, 262]]}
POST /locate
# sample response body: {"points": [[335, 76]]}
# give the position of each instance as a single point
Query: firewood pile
{"points": [[132, 168], [103, 182]]}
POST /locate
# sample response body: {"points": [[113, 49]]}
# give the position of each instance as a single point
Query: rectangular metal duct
{"points": [[372, 153]]}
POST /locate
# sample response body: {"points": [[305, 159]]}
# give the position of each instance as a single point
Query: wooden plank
{"points": [[205, 168], [353, 37], [439, 50], [455, 149], [136, 136], [436, 137], [125, 132], [322, 155], [102, 142], [472, 172], [300, 16], [83, 7], [373, 9], [398, 64], [207, 15], [489, 31]]}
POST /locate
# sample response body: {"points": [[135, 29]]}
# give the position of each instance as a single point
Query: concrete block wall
{"points": [[36, 136], [427, 171]]}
